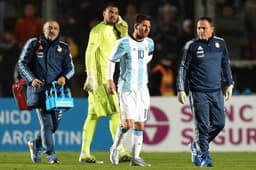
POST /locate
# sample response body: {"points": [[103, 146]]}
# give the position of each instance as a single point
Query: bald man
{"points": [[45, 59]]}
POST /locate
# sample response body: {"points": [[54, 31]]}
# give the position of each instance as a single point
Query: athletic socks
{"points": [[120, 136], [88, 132], [137, 139]]}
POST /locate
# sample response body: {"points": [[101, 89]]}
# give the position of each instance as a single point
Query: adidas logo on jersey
{"points": [[200, 52]]}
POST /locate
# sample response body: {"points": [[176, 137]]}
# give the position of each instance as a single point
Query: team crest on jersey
{"points": [[217, 44], [200, 52]]}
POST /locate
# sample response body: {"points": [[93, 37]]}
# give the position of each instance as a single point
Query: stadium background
{"points": [[171, 127]]}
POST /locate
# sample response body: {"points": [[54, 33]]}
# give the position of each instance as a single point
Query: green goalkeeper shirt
{"points": [[102, 40]]}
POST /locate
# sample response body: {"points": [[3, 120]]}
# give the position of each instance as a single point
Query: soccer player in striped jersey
{"points": [[134, 53]]}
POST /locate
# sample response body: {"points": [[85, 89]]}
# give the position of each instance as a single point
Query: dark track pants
{"points": [[49, 122], [208, 111]]}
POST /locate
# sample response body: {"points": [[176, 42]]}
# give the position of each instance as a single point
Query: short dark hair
{"points": [[111, 4], [207, 19], [141, 17]]}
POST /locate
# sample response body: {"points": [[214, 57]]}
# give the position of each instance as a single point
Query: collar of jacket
{"points": [[206, 41], [46, 43]]}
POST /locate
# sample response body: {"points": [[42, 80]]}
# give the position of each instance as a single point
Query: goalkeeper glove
{"points": [[122, 26], [228, 92], [90, 83], [182, 97]]}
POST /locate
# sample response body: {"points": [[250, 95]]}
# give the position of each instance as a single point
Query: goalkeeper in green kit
{"points": [[102, 40]]}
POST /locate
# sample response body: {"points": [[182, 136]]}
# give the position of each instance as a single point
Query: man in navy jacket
{"points": [[42, 61], [204, 66]]}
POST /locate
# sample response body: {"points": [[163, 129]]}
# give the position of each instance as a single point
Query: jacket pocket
{"points": [[33, 96]]}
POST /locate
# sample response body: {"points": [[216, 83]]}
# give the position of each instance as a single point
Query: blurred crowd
{"points": [[173, 25]]}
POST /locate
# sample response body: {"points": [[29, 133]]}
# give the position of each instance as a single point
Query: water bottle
{"points": [[53, 92], [48, 100], [67, 92], [61, 92], [46, 93]]}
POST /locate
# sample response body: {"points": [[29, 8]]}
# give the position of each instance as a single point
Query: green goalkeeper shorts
{"points": [[101, 103]]}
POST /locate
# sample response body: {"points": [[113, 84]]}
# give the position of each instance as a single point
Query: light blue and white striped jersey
{"points": [[133, 57]]}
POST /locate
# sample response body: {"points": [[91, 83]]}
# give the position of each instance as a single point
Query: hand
{"points": [[228, 92], [182, 97], [111, 87], [36, 83], [90, 84], [61, 81], [121, 26]]}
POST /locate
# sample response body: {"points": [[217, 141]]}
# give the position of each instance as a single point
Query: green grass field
{"points": [[159, 161]]}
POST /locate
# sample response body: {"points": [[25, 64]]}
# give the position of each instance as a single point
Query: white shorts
{"points": [[135, 105]]}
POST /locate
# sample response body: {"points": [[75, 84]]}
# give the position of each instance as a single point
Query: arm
{"points": [[182, 74], [226, 67], [115, 57], [183, 70], [111, 87], [151, 47], [25, 59], [90, 61], [227, 74], [92, 47], [68, 69]]}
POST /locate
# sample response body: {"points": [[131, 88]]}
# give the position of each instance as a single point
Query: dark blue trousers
{"points": [[49, 122], [208, 112]]}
